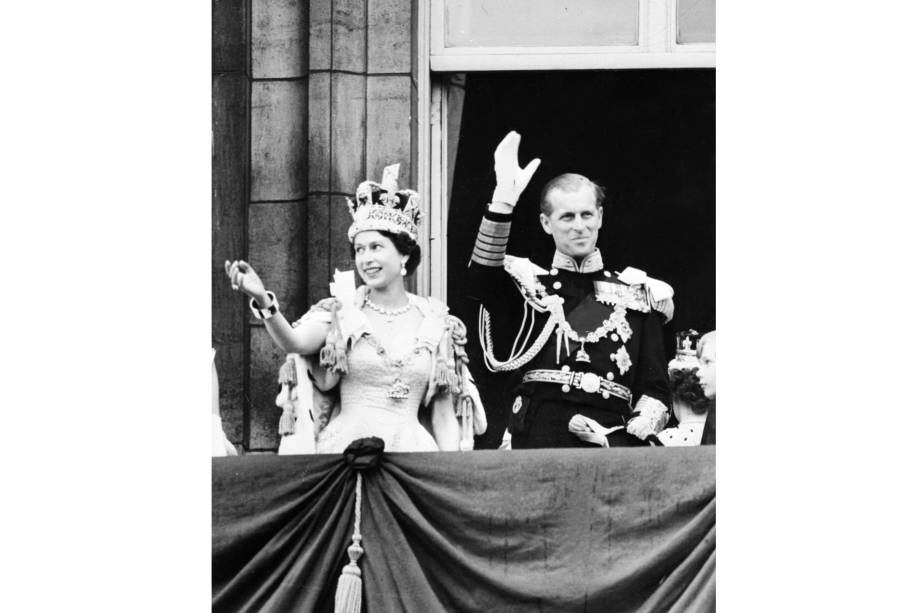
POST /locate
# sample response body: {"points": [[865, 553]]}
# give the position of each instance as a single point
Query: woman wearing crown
{"points": [[397, 359]]}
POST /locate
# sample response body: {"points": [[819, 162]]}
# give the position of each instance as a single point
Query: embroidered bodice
{"points": [[385, 375], [370, 378], [386, 384]]}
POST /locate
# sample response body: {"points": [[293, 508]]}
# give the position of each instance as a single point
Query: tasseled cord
{"points": [[348, 591], [465, 413], [332, 356], [287, 377], [449, 362], [442, 373]]}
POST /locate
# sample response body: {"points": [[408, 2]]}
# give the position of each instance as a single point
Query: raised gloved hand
{"points": [[510, 178]]}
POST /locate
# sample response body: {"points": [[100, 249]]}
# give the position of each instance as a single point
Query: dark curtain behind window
{"points": [[647, 136]]}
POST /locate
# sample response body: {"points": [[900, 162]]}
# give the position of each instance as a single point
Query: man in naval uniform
{"points": [[585, 343]]}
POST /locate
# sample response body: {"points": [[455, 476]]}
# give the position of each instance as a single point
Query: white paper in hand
{"points": [[343, 286]]}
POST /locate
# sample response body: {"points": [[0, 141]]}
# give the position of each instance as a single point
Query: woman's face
{"points": [[707, 369], [379, 262]]}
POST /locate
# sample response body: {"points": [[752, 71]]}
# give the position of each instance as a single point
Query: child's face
{"points": [[707, 370]]}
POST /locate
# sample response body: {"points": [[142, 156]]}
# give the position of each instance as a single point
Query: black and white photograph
{"points": [[440, 281], [463, 293]]}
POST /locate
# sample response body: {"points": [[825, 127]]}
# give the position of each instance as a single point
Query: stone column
{"points": [[310, 99], [230, 91], [278, 207], [362, 111]]}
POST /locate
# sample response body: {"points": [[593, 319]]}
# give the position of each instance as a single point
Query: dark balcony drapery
{"points": [[526, 530]]}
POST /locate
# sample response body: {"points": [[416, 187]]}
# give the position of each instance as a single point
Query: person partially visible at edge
{"points": [[706, 352], [689, 405], [389, 351], [220, 445], [588, 355]]}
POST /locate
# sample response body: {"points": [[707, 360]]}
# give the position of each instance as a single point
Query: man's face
{"points": [[574, 221]]}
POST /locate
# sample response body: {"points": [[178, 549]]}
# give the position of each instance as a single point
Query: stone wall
{"points": [[309, 99]]}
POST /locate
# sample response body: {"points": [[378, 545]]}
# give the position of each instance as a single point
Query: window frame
{"points": [[657, 48]]}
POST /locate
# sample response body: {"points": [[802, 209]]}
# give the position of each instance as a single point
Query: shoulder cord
{"points": [[529, 314], [514, 361]]}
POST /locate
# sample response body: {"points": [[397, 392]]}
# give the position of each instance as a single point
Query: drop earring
{"points": [[403, 271]]}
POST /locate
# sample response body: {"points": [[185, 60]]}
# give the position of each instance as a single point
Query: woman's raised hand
{"points": [[244, 279]]}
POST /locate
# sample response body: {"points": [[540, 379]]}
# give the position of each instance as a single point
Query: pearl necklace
{"points": [[388, 313]]}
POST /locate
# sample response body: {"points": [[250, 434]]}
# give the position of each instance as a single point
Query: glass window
{"points": [[696, 21], [540, 23]]}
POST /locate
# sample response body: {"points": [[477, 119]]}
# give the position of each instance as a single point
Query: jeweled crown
{"points": [[686, 351], [382, 206]]}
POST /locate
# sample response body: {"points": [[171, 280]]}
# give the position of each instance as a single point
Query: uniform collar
{"points": [[593, 262]]}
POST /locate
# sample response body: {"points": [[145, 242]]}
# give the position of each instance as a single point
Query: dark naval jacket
{"points": [[598, 339]]}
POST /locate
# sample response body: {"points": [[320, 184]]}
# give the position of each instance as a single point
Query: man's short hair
{"points": [[569, 182]]}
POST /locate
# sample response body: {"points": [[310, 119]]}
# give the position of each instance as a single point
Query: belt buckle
{"points": [[590, 382]]}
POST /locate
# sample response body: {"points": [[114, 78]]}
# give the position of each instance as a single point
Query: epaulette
{"points": [[524, 272], [658, 290]]}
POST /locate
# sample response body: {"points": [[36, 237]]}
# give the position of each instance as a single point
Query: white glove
{"points": [[641, 426], [590, 431], [511, 179], [652, 418]]}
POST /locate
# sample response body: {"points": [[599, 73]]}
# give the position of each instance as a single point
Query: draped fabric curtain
{"points": [[628, 529]]}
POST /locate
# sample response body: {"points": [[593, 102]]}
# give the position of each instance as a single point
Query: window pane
{"points": [[540, 23], [696, 21]]}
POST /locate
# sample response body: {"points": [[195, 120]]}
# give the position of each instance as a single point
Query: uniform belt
{"points": [[585, 381]]}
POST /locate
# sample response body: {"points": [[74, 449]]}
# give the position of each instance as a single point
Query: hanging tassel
{"points": [[441, 373], [465, 407], [287, 424], [558, 343], [457, 375], [340, 365], [456, 354], [453, 381], [287, 377], [287, 374], [327, 353], [348, 590], [333, 356], [441, 377]]}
